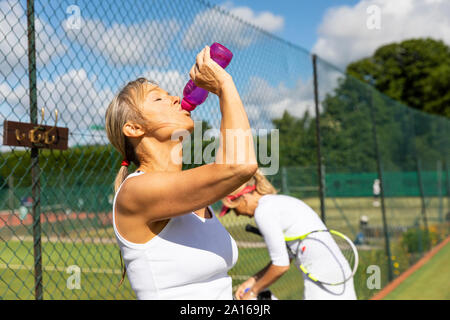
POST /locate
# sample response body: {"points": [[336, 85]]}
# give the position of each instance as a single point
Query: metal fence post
{"points": [[422, 197], [423, 205], [447, 180], [419, 237], [284, 181], [380, 177], [11, 202], [35, 170], [439, 187], [324, 185], [423, 211], [318, 139]]}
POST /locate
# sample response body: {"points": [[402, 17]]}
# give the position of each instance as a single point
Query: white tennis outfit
{"points": [[188, 259], [280, 216]]}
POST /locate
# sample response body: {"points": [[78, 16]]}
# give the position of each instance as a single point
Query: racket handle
{"points": [[252, 229]]}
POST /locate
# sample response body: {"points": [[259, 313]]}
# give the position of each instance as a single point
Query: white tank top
{"points": [[188, 259], [278, 216]]}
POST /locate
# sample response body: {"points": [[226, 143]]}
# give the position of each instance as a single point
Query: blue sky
{"points": [[339, 31], [301, 18], [80, 69]]}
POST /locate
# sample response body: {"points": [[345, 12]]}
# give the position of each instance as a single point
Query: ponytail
{"points": [[125, 106], [123, 267], [120, 177], [263, 186]]}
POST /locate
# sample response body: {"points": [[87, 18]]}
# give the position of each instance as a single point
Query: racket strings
{"points": [[326, 257], [346, 250]]}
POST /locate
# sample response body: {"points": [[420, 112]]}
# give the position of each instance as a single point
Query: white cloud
{"points": [[264, 102], [344, 36], [172, 81], [139, 44], [223, 28], [80, 104], [14, 43], [13, 97], [265, 20], [78, 99]]}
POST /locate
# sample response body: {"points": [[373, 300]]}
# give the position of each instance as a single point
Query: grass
{"points": [[430, 282], [101, 271], [100, 262]]}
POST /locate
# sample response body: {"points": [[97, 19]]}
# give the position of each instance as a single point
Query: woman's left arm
{"points": [[271, 230], [264, 279]]}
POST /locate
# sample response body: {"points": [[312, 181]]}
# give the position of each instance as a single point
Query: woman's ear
{"points": [[133, 130], [229, 203]]}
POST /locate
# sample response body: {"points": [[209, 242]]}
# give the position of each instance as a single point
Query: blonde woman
{"points": [[278, 217], [172, 244]]}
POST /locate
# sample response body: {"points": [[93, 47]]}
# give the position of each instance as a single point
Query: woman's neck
{"points": [[156, 156], [257, 196]]}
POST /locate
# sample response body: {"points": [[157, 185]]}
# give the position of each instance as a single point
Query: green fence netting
{"points": [[87, 50]]}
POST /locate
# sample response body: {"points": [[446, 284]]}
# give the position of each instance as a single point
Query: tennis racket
{"points": [[325, 256]]}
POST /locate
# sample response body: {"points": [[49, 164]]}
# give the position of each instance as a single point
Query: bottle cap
{"points": [[186, 105], [221, 55]]}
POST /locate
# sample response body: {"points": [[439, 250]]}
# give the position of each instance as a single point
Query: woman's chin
{"points": [[187, 127], [190, 126]]}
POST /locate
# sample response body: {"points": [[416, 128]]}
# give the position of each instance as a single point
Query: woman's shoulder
{"points": [[276, 202], [267, 203], [124, 194], [272, 199]]}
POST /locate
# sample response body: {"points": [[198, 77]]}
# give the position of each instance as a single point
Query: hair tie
{"points": [[125, 163]]}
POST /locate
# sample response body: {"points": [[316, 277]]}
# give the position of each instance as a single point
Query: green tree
{"points": [[415, 72], [297, 140]]}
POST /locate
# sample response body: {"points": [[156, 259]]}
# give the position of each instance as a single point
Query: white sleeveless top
{"points": [[189, 259], [278, 216]]}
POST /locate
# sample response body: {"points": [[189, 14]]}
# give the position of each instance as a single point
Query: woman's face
{"points": [[164, 114], [247, 204]]}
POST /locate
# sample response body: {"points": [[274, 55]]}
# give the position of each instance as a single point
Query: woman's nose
{"points": [[175, 100]]}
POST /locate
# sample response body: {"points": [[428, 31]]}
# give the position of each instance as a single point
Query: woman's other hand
{"points": [[247, 284]]}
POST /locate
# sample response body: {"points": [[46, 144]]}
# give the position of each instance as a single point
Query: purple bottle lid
{"points": [[220, 54], [186, 105]]}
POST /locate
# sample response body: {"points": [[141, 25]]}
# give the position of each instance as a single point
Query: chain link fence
{"points": [[56, 235]]}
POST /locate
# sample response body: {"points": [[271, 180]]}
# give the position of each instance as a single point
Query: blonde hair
{"points": [[125, 106], [263, 186]]}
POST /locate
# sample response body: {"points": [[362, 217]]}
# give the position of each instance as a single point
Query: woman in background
{"points": [[279, 217]]}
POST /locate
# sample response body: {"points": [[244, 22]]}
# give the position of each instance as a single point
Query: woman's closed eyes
{"points": [[160, 98]]}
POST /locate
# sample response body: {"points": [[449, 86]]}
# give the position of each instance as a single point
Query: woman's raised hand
{"points": [[207, 74]]}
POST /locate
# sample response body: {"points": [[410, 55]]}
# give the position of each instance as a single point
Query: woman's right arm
{"points": [[162, 195]]}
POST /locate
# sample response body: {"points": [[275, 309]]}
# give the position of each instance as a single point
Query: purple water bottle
{"points": [[193, 95]]}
